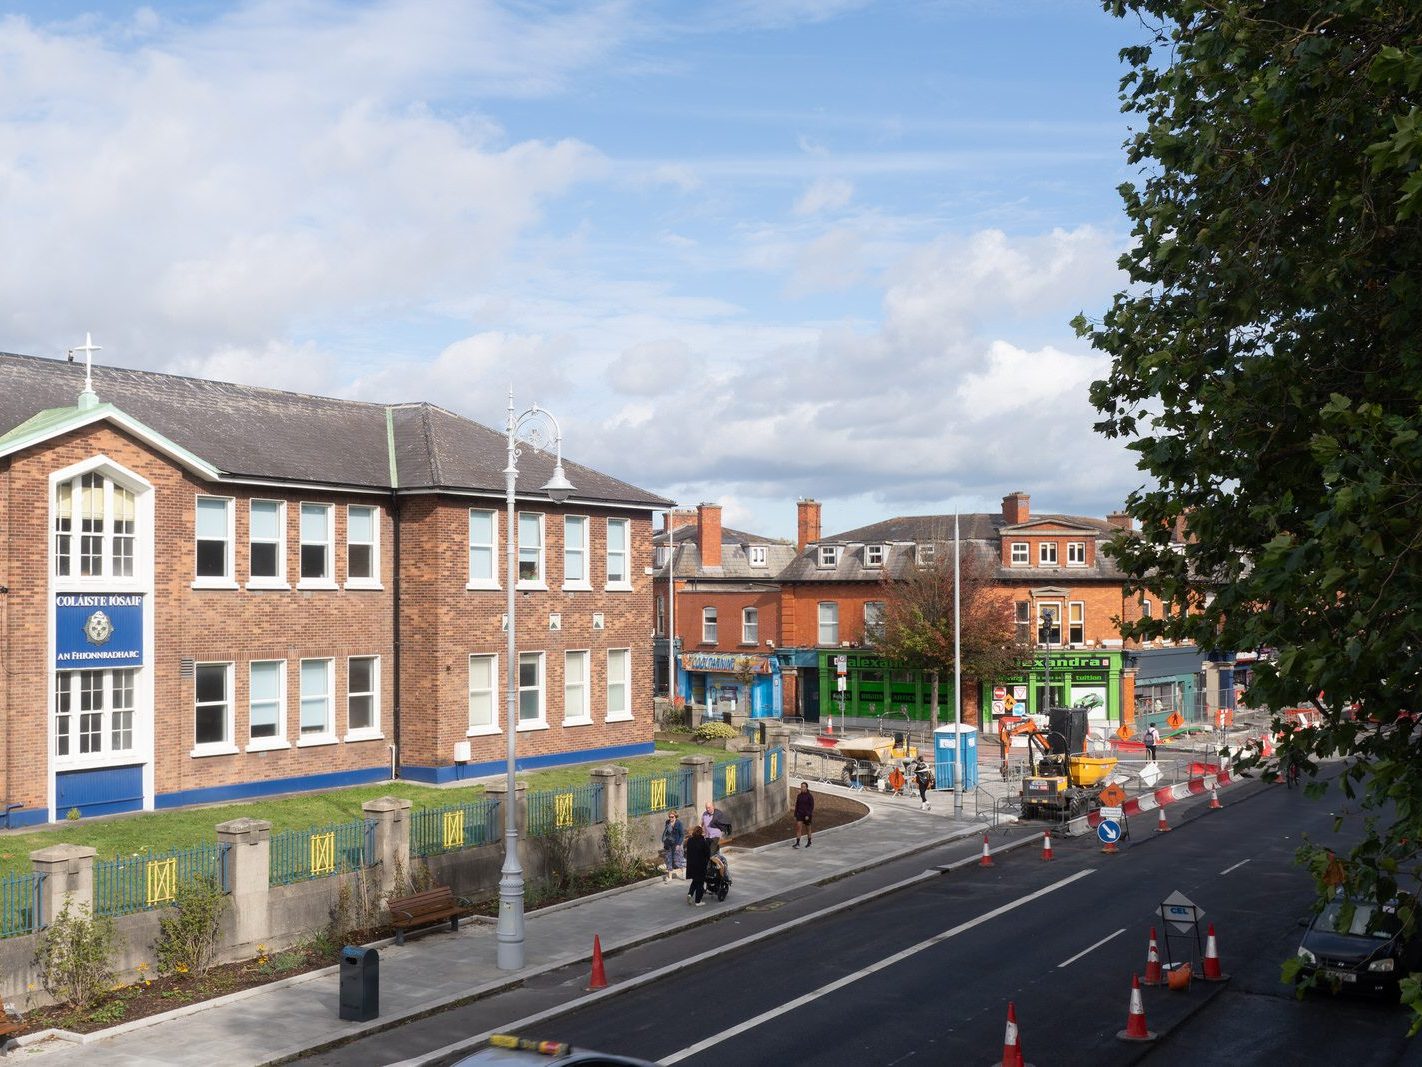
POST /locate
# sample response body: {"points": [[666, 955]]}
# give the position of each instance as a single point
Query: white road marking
{"points": [[1236, 867], [1084, 951], [875, 968]]}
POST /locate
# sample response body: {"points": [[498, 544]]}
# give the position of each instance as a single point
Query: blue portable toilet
{"points": [[945, 755]]}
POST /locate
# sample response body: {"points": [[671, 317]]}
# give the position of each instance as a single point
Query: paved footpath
{"points": [[282, 1020]]}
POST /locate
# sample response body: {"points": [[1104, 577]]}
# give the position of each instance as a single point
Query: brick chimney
{"points": [[807, 527], [708, 533], [682, 517], [1016, 508], [1120, 520]]}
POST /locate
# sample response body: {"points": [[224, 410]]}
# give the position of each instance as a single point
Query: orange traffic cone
{"points": [[1215, 804], [1012, 1041], [599, 976], [1152, 972], [1212, 959], [1136, 1021], [986, 861], [1047, 845], [1161, 826]]}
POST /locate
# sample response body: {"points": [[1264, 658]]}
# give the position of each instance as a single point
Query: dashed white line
{"points": [[1236, 867], [1093, 948]]}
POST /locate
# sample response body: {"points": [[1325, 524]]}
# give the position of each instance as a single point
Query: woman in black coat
{"points": [[698, 855]]}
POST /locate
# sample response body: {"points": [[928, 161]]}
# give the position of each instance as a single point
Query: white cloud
{"points": [[824, 194]]}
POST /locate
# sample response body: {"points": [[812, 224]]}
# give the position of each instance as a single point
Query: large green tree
{"points": [[1266, 364]]}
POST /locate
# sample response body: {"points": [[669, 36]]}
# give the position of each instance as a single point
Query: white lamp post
{"points": [[558, 488]]}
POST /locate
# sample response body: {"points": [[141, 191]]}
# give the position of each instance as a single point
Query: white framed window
{"points": [[661, 615], [1047, 554], [829, 555], [266, 545], [1076, 553], [924, 553], [266, 705], [619, 536], [1147, 609], [483, 694], [532, 709], [362, 547], [530, 550], [577, 704], [94, 715], [873, 616], [212, 709], [750, 626], [829, 622], [708, 626], [1020, 556], [1049, 623], [483, 551], [575, 552], [619, 685], [1076, 622], [316, 726], [756, 556], [660, 555], [104, 516], [316, 547], [1022, 616], [362, 698], [214, 535], [873, 555]]}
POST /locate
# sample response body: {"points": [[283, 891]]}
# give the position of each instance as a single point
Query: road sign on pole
{"points": [[1109, 831]]}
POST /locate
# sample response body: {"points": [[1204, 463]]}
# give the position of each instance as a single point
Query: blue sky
{"points": [[746, 252]]}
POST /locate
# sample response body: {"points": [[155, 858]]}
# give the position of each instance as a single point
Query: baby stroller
{"points": [[718, 877]]}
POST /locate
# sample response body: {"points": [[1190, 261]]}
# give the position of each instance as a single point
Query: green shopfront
{"points": [[1091, 678], [863, 685]]}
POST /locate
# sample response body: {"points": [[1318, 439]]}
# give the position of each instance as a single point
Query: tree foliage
{"points": [[1267, 368], [917, 625]]}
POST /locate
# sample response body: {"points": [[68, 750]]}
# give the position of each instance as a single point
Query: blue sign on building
{"points": [[98, 630]]}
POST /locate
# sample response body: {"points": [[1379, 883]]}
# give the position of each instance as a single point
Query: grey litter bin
{"points": [[360, 984]]}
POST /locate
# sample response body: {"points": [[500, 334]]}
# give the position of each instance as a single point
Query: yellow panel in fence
{"points": [[323, 853], [563, 809], [454, 829], [659, 793], [774, 766], [730, 778], [162, 879]]}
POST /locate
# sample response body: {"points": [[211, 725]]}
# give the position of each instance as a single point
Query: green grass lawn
{"points": [[160, 831]]}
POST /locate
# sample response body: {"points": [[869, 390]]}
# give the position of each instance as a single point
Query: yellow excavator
{"points": [[1061, 778]]}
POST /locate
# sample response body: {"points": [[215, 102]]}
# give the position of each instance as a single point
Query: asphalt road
{"points": [[924, 975]]}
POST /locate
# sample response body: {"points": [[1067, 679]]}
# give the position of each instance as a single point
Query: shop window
{"points": [[531, 711], [829, 555], [757, 555], [316, 545], [708, 626], [619, 684], [1076, 553], [577, 709], [873, 555], [750, 626], [618, 537], [266, 705], [212, 711], [362, 546], [483, 531], [530, 549], [1020, 557], [1047, 554], [266, 548], [316, 727], [1076, 623], [483, 694], [214, 539], [362, 697], [828, 622]]}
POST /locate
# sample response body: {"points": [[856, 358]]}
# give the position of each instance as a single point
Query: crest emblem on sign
{"points": [[98, 628]]}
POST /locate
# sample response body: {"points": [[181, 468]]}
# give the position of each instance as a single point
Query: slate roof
{"points": [[249, 432], [735, 559]]}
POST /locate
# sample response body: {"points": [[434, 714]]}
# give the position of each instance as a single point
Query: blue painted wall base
{"points": [[461, 772], [249, 790]]}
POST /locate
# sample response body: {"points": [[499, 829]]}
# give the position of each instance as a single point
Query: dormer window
{"points": [[756, 554], [1076, 553], [829, 555], [1020, 556], [1047, 554], [873, 555], [925, 553]]}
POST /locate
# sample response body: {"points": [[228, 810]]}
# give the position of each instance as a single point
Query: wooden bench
{"points": [[9, 1024], [421, 909]]}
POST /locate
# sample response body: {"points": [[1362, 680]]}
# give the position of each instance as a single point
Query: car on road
{"points": [[508, 1050], [1357, 946]]}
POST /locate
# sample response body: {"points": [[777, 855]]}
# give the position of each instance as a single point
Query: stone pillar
{"points": [[765, 808], [701, 790], [777, 735], [392, 838], [249, 861], [498, 791], [69, 875], [614, 791]]}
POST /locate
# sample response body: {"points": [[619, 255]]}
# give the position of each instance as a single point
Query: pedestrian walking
{"points": [[921, 778], [673, 834], [1152, 738], [698, 856], [714, 825], [804, 812]]}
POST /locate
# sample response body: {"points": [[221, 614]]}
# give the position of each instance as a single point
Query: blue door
{"points": [[103, 791]]}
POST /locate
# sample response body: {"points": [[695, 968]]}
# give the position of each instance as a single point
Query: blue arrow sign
{"points": [[1108, 830]]}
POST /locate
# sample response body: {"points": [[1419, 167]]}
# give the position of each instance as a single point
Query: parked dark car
{"points": [[1353, 946]]}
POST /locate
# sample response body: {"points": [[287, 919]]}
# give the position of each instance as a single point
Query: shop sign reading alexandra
{"points": [[98, 630]]}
